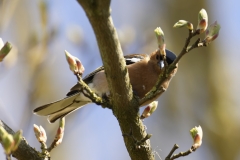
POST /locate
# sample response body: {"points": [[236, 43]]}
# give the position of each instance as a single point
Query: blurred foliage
{"points": [[201, 93]]}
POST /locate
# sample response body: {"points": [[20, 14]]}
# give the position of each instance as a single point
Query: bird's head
{"points": [[157, 58]]}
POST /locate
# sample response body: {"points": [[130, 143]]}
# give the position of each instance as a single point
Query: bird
{"points": [[144, 70]]}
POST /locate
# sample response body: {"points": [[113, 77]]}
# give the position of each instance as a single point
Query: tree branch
{"points": [[185, 48], [180, 154], [166, 75], [124, 105], [24, 151], [98, 13]]}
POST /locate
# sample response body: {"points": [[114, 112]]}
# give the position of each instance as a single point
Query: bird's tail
{"points": [[61, 108]]}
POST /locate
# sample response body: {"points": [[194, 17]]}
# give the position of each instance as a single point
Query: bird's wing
{"points": [[134, 58], [67, 110], [59, 105], [87, 79], [129, 59]]}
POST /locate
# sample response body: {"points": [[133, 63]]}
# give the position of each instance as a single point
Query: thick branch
{"points": [[124, 104], [98, 13], [24, 151]]}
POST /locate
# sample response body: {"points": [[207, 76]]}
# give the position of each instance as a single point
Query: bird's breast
{"points": [[99, 84]]}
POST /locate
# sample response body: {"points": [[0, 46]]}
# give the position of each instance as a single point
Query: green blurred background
{"points": [[205, 91]]}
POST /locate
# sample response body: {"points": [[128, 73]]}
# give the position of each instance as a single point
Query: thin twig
{"points": [[44, 149], [52, 146], [59, 135], [185, 50], [180, 154], [43, 146], [158, 89], [195, 45], [175, 147], [90, 94]]}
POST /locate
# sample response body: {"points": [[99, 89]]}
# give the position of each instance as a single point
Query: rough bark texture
{"points": [[124, 104], [24, 151]]}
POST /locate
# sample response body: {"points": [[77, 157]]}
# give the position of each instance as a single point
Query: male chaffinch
{"points": [[144, 70]]}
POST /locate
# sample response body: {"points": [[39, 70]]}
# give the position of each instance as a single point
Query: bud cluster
{"points": [[40, 133], [10, 142], [212, 31]]}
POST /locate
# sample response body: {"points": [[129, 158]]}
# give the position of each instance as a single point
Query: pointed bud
{"points": [[149, 109], [74, 63], [71, 62], [17, 139], [40, 133], [212, 32], [182, 23], [43, 134], [60, 131], [202, 20], [161, 42], [59, 136], [4, 49], [80, 67], [197, 135], [8, 143], [7, 140], [3, 132], [145, 113]]}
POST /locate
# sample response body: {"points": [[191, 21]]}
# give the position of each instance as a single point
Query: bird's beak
{"points": [[161, 64]]}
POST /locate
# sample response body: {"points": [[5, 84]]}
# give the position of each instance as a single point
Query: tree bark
{"points": [[124, 105]]}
